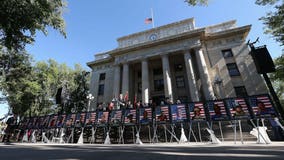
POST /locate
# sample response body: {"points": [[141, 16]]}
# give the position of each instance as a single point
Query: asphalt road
{"points": [[173, 151]]}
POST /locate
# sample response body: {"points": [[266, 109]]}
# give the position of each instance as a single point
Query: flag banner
{"points": [[197, 111], [162, 114], [52, 122], [38, 122], [116, 117], [148, 20], [35, 120], [262, 106], [70, 119], [61, 120], [178, 113], [145, 115], [45, 122], [90, 119], [217, 110], [102, 118], [24, 123], [31, 123], [80, 119], [238, 108], [130, 117]]}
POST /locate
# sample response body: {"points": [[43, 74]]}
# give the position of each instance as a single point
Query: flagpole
{"points": [[153, 22]]}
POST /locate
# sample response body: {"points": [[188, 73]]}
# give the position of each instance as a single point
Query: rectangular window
{"points": [[179, 81], [102, 76], [233, 69], [241, 91], [159, 85], [178, 67], [101, 89], [227, 53]]}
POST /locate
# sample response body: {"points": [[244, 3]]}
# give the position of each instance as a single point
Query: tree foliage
{"points": [[278, 78], [31, 89], [274, 20], [196, 2], [20, 19]]}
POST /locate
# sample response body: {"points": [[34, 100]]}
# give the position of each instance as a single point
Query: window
{"points": [[157, 71], [159, 85], [233, 69], [179, 81], [101, 89], [102, 76], [178, 67], [227, 53], [241, 91]]}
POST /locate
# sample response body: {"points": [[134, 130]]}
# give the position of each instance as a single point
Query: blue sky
{"points": [[93, 26]]}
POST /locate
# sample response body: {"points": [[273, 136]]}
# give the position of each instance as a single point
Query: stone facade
{"points": [[177, 61]]}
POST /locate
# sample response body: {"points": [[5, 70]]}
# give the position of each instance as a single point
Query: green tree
{"points": [[274, 20], [196, 2], [17, 80], [278, 78], [20, 19]]}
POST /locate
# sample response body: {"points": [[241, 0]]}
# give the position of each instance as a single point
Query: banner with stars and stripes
{"points": [[145, 115], [103, 117], [90, 119], [70, 119], [61, 120], [197, 111], [116, 117], [217, 110], [238, 108], [178, 113], [262, 106], [130, 117], [162, 114]]}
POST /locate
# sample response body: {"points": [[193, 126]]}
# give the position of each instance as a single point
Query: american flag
{"points": [[61, 120], [90, 118], [127, 115], [178, 113], [200, 106], [25, 122], [53, 121], [149, 114], [233, 102], [103, 117], [45, 121], [265, 100], [82, 118], [160, 110], [222, 109], [148, 20], [116, 116]]}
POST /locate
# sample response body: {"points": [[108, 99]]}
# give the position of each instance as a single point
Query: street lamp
{"points": [[218, 82], [90, 97]]}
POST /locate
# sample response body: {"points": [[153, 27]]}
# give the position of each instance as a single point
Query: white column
{"points": [[167, 77], [145, 82], [125, 78], [116, 80], [204, 75], [191, 77]]}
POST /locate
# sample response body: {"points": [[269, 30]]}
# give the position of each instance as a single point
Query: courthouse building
{"points": [[177, 61]]}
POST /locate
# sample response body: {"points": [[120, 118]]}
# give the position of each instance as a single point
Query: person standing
{"points": [[9, 129]]}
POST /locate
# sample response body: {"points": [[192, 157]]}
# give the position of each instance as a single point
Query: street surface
{"points": [[163, 151]]}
